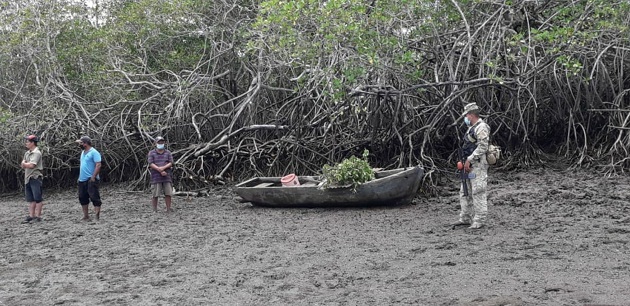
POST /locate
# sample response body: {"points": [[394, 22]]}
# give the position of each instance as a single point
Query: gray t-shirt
{"points": [[34, 157]]}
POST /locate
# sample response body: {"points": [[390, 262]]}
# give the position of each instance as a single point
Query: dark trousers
{"points": [[89, 191]]}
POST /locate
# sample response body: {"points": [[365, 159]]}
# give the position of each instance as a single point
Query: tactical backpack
{"points": [[493, 154]]}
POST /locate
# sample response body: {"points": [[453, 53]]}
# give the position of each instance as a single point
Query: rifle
{"points": [[460, 169], [461, 172]]}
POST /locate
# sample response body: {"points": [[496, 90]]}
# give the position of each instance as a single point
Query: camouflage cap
{"points": [[469, 107]]}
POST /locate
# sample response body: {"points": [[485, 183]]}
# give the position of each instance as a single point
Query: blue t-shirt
{"points": [[88, 164]]}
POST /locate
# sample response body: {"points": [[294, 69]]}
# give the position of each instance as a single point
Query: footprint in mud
{"points": [[495, 301], [446, 246]]}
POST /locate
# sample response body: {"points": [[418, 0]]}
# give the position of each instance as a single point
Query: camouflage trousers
{"points": [[474, 207]]}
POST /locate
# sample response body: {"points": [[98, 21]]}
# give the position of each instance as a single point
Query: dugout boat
{"points": [[390, 187]]}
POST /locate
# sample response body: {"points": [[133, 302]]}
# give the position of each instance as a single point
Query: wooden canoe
{"points": [[390, 187]]}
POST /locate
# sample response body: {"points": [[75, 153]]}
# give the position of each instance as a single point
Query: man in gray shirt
{"points": [[33, 178]]}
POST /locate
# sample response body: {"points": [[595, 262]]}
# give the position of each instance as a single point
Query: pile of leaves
{"points": [[350, 172]]}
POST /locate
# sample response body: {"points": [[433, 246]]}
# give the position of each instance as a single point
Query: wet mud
{"points": [[553, 238]]}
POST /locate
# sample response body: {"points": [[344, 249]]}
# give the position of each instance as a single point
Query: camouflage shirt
{"points": [[481, 137]]}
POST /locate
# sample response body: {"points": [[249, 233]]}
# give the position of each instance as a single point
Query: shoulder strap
{"points": [[472, 133]]}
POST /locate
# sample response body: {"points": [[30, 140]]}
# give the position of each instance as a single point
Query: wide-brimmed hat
{"points": [[469, 108]]}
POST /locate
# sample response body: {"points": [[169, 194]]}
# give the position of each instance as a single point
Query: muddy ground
{"points": [[553, 238]]}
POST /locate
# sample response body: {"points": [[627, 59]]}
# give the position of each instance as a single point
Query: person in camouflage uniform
{"points": [[474, 207]]}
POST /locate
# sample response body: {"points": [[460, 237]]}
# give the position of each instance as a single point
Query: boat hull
{"points": [[391, 187]]}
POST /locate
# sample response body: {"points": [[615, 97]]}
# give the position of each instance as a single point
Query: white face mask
{"points": [[467, 121], [160, 146]]}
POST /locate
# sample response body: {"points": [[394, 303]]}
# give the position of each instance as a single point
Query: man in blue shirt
{"points": [[88, 178]]}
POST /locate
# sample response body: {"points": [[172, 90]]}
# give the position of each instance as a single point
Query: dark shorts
{"points": [[33, 190], [89, 191]]}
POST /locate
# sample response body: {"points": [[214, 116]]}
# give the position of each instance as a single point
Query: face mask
{"points": [[82, 146], [160, 146], [467, 121]]}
